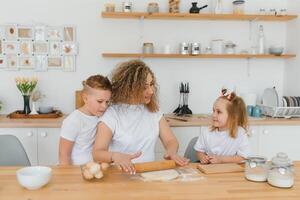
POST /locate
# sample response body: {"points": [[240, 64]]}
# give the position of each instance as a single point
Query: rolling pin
{"points": [[154, 166]]}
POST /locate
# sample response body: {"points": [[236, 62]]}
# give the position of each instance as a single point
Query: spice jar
{"points": [[230, 47], [184, 48], [256, 169], [238, 7], [281, 173], [153, 8], [110, 7], [127, 6], [196, 48], [148, 48]]}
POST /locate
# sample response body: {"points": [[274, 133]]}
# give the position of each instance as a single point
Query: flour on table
{"points": [[162, 175]]}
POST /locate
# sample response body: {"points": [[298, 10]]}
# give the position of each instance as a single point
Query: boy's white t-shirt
{"points": [[220, 143], [80, 129], [134, 128]]}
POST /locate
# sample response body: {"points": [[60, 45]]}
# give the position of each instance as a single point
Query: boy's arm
{"points": [[65, 150]]}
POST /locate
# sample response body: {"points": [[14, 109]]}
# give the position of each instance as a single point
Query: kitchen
{"points": [[97, 35]]}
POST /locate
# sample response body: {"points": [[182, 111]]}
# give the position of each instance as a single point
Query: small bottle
{"points": [[261, 40]]}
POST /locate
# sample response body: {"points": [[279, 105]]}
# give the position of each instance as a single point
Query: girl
{"points": [[79, 128], [130, 128], [226, 141]]}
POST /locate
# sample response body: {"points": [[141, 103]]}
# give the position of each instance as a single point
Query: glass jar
{"points": [[110, 7], [196, 48], [153, 8], [230, 47], [281, 173], [127, 6], [148, 48], [256, 169], [184, 48], [238, 7]]}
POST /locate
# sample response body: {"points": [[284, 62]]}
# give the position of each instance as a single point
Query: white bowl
{"points": [[276, 50], [45, 109], [35, 177]]}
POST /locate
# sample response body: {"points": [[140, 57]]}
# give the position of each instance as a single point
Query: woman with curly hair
{"points": [[129, 129]]}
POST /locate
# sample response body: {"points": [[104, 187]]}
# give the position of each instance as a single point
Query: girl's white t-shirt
{"points": [[80, 129], [220, 143], [134, 128]]}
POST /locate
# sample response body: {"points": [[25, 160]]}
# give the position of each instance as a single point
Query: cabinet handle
{"points": [[43, 134], [29, 134], [265, 132]]}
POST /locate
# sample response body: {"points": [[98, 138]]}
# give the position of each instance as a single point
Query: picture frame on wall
{"points": [[11, 32], [54, 33], [11, 47], [26, 62], [26, 48], [69, 63], [40, 48], [2, 62], [40, 33], [2, 32], [1, 47], [69, 33], [25, 32], [54, 48], [12, 62], [69, 48], [54, 62], [41, 63]]}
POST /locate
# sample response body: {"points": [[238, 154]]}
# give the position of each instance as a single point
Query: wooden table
{"points": [[67, 183]]}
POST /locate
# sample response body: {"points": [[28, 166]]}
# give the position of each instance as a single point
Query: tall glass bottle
{"points": [[218, 6], [261, 40]]}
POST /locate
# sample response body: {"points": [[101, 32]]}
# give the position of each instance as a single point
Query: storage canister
{"points": [[196, 48], [148, 48], [127, 6], [153, 7], [184, 48], [256, 169], [238, 7]]}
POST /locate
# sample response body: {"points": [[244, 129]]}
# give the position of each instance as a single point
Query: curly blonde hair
{"points": [[128, 84], [237, 115]]}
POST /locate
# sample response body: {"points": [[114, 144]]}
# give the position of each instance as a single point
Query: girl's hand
{"points": [[204, 159], [178, 159], [214, 159], [123, 161]]}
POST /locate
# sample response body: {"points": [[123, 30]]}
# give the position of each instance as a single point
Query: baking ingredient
{"points": [[162, 175]]}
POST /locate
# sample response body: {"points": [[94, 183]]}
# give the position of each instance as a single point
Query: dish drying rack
{"points": [[286, 112]]}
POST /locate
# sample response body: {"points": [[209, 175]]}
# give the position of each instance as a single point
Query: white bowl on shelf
{"points": [[276, 50], [34, 177]]}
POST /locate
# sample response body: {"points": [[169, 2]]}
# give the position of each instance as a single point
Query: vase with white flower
{"points": [[35, 97], [26, 87]]}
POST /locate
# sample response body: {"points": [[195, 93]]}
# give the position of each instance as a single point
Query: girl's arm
{"points": [[203, 157], [65, 150], [101, 153], [170, 143], [225, 159]]}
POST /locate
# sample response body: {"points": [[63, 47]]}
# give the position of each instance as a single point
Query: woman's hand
{"points": [[214, 159], [123, 161], [178, 159]]}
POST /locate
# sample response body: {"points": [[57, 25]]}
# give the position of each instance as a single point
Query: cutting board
{"points": [[78, 99], [220, 168]]}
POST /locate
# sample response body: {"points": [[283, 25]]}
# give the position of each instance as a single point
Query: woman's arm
{"points": [[101, 153], [65, 150], [170, 143]]}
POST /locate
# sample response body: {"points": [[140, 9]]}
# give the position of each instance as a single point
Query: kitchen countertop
{"points": [[67, 183], [193, 121]]}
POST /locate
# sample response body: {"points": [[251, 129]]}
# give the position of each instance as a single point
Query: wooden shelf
{"points": [[232, 56], [187, 16]]}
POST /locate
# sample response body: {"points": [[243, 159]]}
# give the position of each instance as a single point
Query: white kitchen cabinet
{"points": [[47, 145], [28, 139], [183, 135], [274, 139], [254, 132], [40, 144]]}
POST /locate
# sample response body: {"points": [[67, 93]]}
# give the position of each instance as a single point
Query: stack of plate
{"points": [[289, 101]]}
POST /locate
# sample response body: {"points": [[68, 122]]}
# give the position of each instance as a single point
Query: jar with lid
{"points": [[256, 169], [196, 48], [238, 7], [230, 47], [153, 7], [184, 48], [148, 48], [281, 173], [127, 6], [110, 7]]}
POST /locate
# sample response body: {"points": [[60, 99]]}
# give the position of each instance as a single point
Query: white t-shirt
{"points": [[220, 143], [134, 128], [80, 129]]}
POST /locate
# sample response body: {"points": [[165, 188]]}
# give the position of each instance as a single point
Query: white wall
{"points": [[292, 71], [97, 35]]}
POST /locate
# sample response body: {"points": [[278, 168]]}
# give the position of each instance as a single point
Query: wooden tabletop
{"points": [[67, 183]]}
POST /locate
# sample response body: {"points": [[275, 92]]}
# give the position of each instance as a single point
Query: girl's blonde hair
{"points": [[128, 84], [96, 82], [237, 114]]}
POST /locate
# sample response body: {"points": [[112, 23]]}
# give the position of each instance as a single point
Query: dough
{"points": [[163, 175]]}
